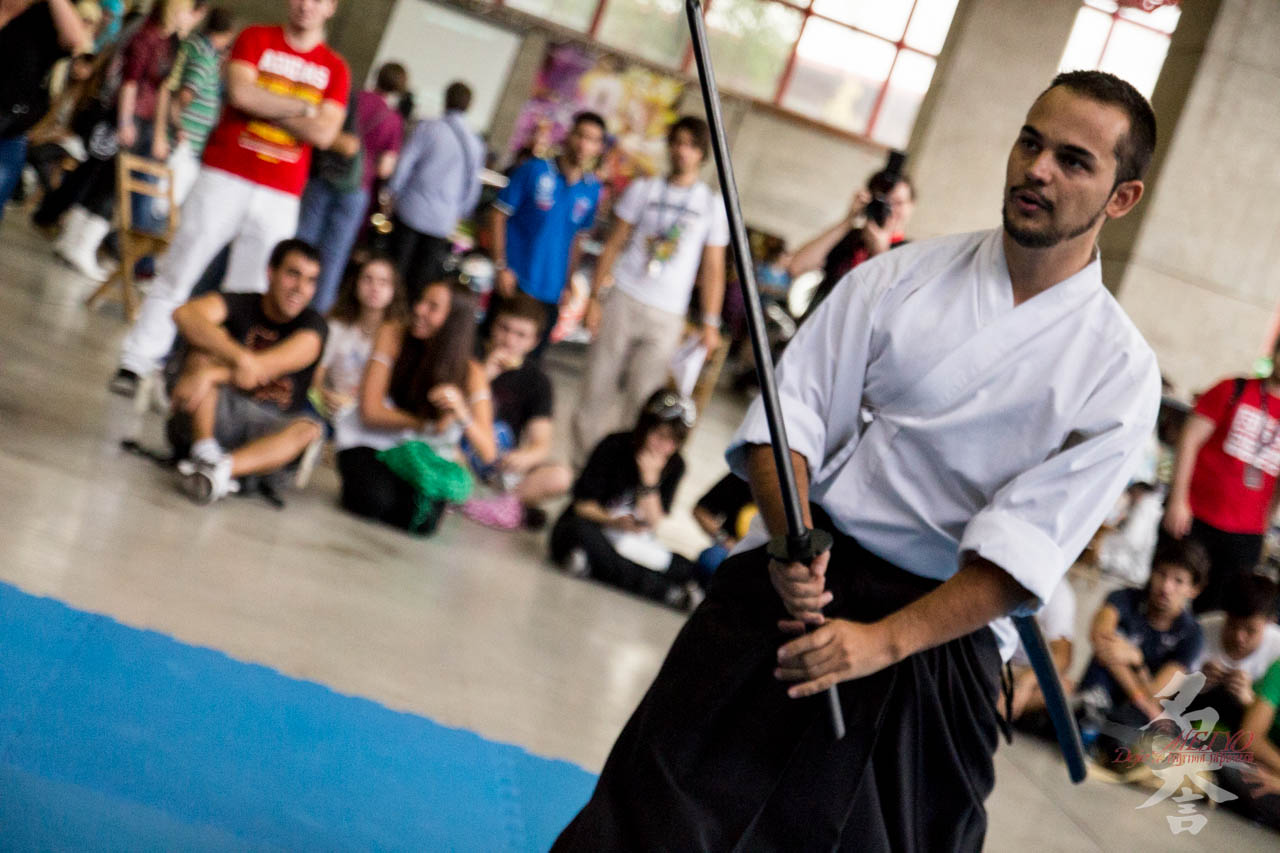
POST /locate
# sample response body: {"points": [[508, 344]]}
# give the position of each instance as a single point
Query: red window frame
{"points": [[802, 6]]}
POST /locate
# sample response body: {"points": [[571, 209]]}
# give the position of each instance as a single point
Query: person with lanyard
{"points": [[33, 37], [963, 412], [436, 183], [537, 217], [667, 233], [1224, 482]]}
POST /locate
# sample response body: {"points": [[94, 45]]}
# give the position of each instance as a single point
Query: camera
{"points": [[881, 184]]}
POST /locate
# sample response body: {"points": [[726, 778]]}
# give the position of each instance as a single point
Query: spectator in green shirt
{"points": [[1258, 785], [192, 98]]}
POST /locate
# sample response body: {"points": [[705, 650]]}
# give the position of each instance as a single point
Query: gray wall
{"points": [[1203, 277]]}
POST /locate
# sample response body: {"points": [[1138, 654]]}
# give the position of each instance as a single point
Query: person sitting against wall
{"points": [[420, 384], [619, 499], [523, 474], [366, 301], [240, 401]]}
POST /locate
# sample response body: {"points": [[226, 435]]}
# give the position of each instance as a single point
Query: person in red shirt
{"points": [[1224, 485], [286, 93]]}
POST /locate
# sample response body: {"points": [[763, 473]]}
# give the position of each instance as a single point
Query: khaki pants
{"points": [[629, 359]]}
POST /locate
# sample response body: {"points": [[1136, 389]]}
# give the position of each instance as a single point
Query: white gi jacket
{"points": [[938, 420]]}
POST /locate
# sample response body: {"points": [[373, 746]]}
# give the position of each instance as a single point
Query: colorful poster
{"points": [[637, 105]]}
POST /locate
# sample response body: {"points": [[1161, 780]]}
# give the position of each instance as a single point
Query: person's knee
{"points": [[559, 480]]}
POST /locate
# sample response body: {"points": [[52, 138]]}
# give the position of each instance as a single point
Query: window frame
{"points": [[865, 135]]}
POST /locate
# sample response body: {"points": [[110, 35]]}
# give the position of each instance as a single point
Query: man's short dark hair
{"points": [[220, 20], [1133, 150], [293, 245], [696, 128], [525, 307], [392, 78], [589, 117], [1249, 594], [1185, 553], [457, 97]]}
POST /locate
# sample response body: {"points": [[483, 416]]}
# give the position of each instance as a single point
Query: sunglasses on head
{"points": [[671, 406]]}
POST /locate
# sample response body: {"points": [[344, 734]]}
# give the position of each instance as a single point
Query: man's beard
{"points": [[1029, 239]]}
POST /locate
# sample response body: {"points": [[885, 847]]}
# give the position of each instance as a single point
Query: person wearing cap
{"points": [[621, 496]]}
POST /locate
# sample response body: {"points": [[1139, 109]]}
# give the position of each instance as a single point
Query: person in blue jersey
{"points": [[537, 217]]}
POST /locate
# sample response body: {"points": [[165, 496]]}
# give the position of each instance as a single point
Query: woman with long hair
{"points": [[420, 384], [367, 300]]}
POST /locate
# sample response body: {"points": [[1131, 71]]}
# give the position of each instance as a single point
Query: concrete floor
{"points": [[471, 628]]}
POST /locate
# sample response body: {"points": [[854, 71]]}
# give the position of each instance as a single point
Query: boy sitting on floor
{"points": [[239, 406], [522, 425]]}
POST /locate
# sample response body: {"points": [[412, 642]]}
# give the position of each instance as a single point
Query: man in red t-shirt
{"points": [[287, 91], [1224, 485]]}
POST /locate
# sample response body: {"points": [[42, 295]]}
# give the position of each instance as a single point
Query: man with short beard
{"points": [[963, 412]]}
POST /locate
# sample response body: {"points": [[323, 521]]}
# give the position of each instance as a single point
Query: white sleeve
{"points": [[1039, 522], [630, 206], [1058, 618], [820, 377], [718, 232], [331, 344]]}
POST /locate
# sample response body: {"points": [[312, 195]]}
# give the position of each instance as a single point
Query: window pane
{"points": [[654, 29], [1088, 35], [1107, 6], [887, 18], [837, 75], [571, 13], [1136, 54], [750, 43], [910, 80], [1163, 18], [930, 24]]}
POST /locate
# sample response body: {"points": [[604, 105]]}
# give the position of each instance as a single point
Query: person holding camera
{"points": [[874, 225]]}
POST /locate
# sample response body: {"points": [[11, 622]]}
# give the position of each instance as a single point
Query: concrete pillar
{"points": [[999, 55], [524, 70], [1203, 277]]}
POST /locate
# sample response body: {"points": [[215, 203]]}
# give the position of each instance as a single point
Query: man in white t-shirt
{"points": [[667, 233], [1241, 641]]}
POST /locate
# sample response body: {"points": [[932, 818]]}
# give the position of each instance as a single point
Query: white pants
{"points": [[185, 166], [629, 359], [221, 209]]}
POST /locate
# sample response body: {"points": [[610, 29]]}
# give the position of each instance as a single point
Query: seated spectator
{"points": [[240, 402], [1058, 622], [623, 493], [365, 302], [723, 513], [1240, 643], [420, 384], [522, 405], [1142, 638], [1258, 786]]}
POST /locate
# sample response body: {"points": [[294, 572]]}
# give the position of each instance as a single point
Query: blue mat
{"points": [[113, 738]]}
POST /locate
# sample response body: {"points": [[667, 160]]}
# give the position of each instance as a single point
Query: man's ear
{"points": [[1124, 198]]}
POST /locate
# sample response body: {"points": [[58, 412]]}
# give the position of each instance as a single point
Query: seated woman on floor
{"points": [[420, 384], [623, 493]]}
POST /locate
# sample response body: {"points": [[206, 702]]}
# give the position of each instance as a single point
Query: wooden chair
{"points": [[136, 244]]}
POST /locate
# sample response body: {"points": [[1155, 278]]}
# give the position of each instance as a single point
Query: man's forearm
{"points": [[213, 340], [762, 475], [260, 103], [128, 99], [712, 290], [974, 596]]}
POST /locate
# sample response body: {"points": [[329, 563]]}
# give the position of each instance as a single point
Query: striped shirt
{"points": [[198, 68]]}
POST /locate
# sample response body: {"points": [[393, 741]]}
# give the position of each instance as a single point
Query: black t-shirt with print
{"points": [[521, 395], [29, 46], [612, 476], [249, 325]]}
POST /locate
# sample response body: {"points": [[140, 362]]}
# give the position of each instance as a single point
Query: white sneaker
{"points": [[578, 566], [205, 483]]}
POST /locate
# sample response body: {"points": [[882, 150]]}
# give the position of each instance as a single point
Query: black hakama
{"points": [[717, 757]]}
